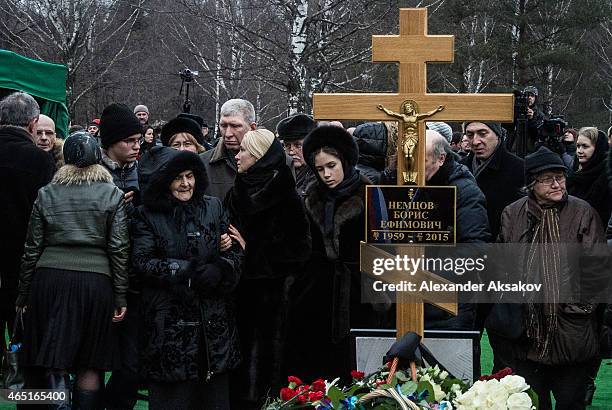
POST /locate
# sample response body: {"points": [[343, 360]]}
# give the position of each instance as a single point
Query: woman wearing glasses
{"points": [[183, 134], [552, 340]]}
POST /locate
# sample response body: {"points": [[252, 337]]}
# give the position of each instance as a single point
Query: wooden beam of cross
{"points": [[413, 49]]}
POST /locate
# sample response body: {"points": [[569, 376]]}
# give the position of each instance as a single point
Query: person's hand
{"points": [[129, 196], [529, 113], [226, 242], [235, 234], [119, 314]]}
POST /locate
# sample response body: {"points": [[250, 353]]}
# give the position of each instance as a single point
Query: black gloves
{"points": [[204, 276]]}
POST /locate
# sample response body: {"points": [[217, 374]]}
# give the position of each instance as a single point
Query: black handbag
{"points": [[12, 377]]}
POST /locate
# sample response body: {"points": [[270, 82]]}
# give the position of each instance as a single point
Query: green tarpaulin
{"points": [[45, 81]]}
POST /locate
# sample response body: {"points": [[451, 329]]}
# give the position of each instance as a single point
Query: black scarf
{"points": [[581, 182], [440, 178], [335, 195]]}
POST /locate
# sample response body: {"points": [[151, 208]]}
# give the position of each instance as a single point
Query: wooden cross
{"points": [[413, 49]]}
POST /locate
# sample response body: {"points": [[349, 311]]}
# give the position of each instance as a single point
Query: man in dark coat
{"points": [[237, 116], [120, 134], [292, 131], [441, 169], [499, 174], [24, 169]]}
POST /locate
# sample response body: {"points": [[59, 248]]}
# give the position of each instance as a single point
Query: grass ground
{"points": [[602, 400]]}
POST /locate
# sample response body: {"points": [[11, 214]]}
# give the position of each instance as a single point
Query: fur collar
{"points": [[349, 209], [73, 175]]}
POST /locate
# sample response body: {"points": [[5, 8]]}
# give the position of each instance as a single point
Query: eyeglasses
{"points": [[294, 145], [40, 133], [183, 144], [133, 141], [550, 180]]}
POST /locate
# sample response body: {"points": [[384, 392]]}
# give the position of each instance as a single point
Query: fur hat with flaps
{"points": [[333, 137], [162, 165]]}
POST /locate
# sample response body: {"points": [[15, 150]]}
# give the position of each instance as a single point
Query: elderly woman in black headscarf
{"points": [[266, 208], [331, 298], [188, 336]]}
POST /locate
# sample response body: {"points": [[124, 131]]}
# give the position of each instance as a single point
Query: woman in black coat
{"points": [[589, 180], [188, 337], [331, 300], [265, 207]]}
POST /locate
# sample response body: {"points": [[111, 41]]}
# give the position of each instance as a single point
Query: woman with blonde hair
{"points": [[183, 134], [265, 207]]}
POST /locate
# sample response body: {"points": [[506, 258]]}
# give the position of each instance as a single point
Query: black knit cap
{"points": [[117, 123], [495, 127], [181, 124], [295, 127], [334, 137], [542, 160]]}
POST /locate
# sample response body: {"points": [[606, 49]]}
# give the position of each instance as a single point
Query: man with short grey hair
{"points": [[24, 169], [236, 118]]}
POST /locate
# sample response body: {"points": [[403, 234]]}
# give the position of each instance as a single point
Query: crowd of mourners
{"points": [[206, 271]]}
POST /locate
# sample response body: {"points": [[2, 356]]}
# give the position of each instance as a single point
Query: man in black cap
{"points": [[551, 339], [499, 174], [292, 131], [121, 135]]}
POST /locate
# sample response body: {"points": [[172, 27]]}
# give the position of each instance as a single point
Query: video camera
{"points": [[521, 105], [187, 75], [550, 133]]}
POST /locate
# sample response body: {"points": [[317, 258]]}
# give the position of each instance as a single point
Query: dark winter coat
{"points": [[125, 178], [221, 169], [267, 210], [78, 223], [577, 338], [270, 216], [591, 182], [472, 227], [188, 330], [24, 169], [501, 182], [472, 220]]}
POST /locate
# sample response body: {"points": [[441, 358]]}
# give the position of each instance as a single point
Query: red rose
{"points": [[379, 382], [315, 396], [388, 364], [503, 373], [293, 379], [287, 394], [302, 399], [303, 388], [356, 374], [318, 385]]}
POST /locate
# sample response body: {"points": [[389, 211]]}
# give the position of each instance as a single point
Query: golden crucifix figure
{"points": [[409, 119]]}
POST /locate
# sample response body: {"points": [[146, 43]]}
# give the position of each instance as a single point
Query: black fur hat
{"points": [[181, 124], [295, 127], [334, 137], [168, 163]]}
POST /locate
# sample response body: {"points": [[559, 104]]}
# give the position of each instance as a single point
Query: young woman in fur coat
{"points": [[329, 303], [267, 210]]}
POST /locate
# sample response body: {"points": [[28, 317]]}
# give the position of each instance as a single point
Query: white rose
{"points": [[443, 375], [436, 370], [514, 384], [438, 392], [456, 388], [426, 378], [519, 401], [496, 395]]}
